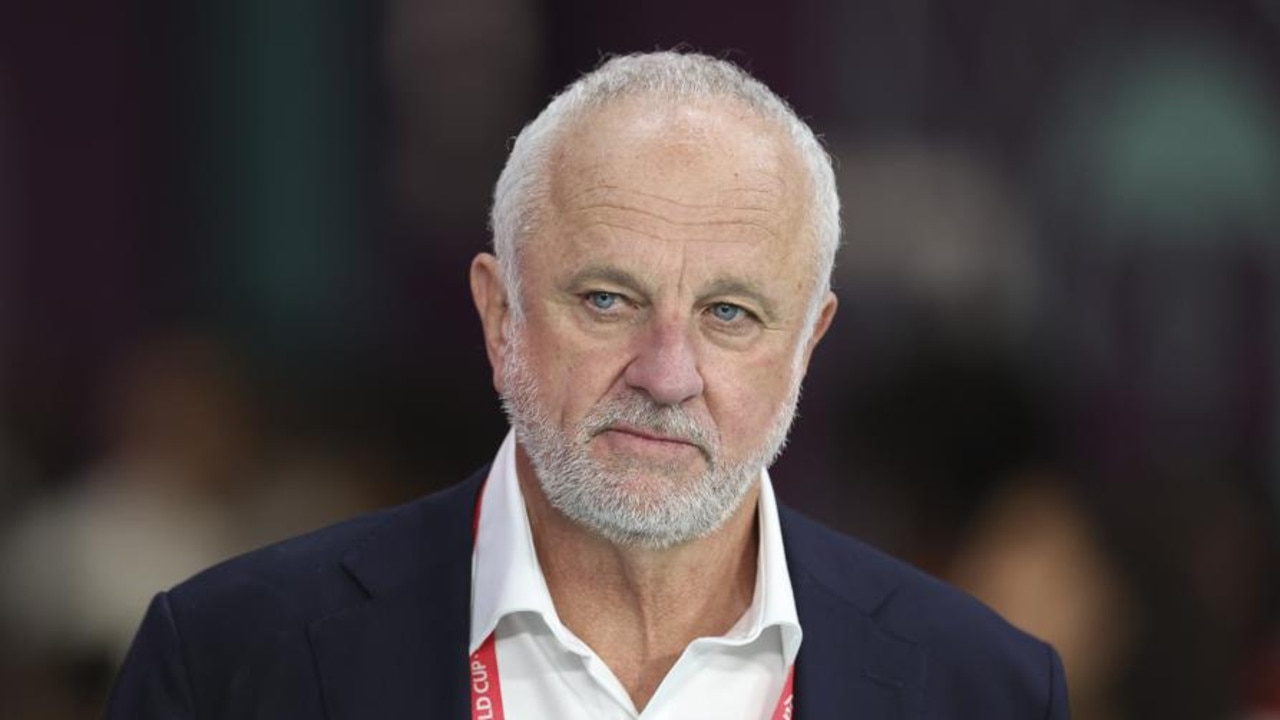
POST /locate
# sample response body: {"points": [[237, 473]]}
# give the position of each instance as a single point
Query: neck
{"points": [[638, 608]]}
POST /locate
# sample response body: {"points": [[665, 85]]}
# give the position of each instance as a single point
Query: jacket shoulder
{"points": [[902, 599], [236, 641], [971, 653], [311, 575]]}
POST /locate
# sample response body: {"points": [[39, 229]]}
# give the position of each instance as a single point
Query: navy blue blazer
{"points": [[368, 620]]}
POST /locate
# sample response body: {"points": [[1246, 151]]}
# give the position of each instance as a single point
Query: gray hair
{"points": [[523, 188]]}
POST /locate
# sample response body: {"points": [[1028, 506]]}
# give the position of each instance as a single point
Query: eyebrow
{"points": [[605, 273]]}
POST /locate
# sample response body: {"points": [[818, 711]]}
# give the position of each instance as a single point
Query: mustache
{"points": [[642, 413]]}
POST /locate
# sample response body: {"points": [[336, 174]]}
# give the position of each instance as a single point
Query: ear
{"points": [[490, 297], [821, 325]]}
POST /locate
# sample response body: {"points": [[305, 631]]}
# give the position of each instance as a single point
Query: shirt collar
{"points": [[774, 604], [508, 578]]}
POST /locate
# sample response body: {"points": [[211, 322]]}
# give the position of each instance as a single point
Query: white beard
{"points": [[614, 498]]}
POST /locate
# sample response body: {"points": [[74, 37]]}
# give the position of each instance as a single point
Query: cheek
{"points": [[745, 397], [575, 377]]}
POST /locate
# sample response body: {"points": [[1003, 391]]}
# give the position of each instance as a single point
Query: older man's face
{"points": [[665, 317]]}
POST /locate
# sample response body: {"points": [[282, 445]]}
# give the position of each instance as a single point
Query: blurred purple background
{"points": [[233, 302]]}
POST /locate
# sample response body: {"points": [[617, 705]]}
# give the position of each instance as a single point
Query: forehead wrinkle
{"points": [[767, 220], [632, 228], [675, 222], [631, 218], [608, 190], [699, 208]]}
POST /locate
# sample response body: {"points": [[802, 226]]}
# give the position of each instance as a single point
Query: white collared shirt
{"points": [[548, 672]]}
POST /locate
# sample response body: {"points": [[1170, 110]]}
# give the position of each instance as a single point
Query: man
{"points": [[664, 233]]}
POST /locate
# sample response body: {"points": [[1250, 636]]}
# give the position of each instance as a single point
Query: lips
{"points": [[648, 441], [650, 435]]}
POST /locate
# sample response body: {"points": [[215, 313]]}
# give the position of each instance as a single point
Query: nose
{"points": [[665, 364]]}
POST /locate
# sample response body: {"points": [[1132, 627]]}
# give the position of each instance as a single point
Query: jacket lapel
{"points": [[402, 653], [848, 665]]}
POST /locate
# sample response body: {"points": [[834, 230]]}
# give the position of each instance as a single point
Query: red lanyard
{"points": [[486, 686]]}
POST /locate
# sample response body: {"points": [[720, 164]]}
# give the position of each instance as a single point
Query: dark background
{"points": [[233, 302]]}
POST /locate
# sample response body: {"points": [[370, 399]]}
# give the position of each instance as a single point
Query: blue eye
{"points": [[602, 300], [726, 312]]}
